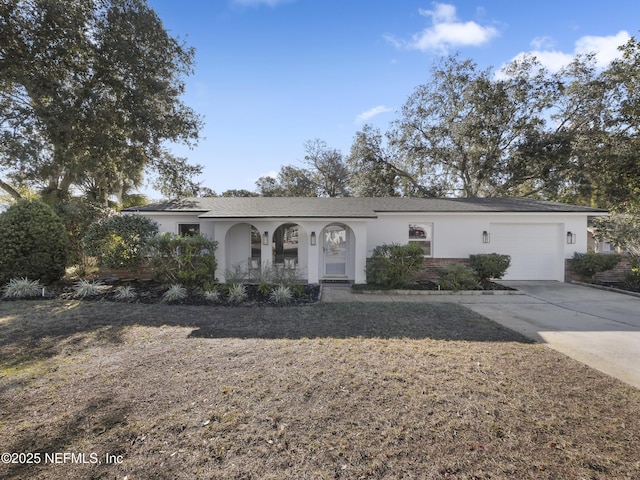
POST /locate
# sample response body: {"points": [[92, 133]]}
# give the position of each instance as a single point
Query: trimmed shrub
{"points": [[120, 241], [489, 265], [188, 260], [590, 263], [394, 265], [457, 276], [33, 243]]}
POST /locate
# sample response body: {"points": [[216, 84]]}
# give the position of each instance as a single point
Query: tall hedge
{"points": [[120, 241], [33, 243]]}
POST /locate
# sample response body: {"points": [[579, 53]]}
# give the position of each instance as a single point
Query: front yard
{"points": [[347, 391]]}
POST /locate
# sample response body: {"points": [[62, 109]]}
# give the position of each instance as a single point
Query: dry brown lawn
{"points": [[325, 391]]}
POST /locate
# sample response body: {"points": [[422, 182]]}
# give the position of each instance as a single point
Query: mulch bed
{"points": [[151, 292]]}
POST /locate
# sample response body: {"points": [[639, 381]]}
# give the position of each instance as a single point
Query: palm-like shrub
{"points": [[33, 243], [281, 295], [175, 293], [87, 288], [237, 293], [22, 288], [124, 293]]}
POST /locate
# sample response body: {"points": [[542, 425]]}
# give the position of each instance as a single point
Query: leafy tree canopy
{"points": [[89, 95]]}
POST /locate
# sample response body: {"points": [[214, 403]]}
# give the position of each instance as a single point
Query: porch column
{"points": [[360, 260]]}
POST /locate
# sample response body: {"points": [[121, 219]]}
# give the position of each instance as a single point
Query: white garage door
{"points": [[534, 250]]}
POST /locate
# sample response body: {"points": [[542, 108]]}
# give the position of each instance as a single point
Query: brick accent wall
{"points": [[431, 266], [614, 275]]}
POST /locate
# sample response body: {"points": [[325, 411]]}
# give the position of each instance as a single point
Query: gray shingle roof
{"points": [[351, 207]]}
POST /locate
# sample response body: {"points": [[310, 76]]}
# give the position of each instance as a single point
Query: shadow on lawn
{"points": [[88, 420], [33, 330]]}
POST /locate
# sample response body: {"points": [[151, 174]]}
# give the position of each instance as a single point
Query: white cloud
{"points": [[369, 114], [446, 31], [604, 48], [543, 43]]}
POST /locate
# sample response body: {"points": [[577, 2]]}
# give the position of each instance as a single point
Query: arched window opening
{"points": [[285, 245]]}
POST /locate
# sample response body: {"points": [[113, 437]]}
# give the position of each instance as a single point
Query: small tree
{"points": [[622, 229], [33, 243], [119, 241], [394, 265], [188, 260]]}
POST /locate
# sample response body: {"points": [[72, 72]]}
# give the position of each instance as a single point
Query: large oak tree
{"points": [[90, 94]]}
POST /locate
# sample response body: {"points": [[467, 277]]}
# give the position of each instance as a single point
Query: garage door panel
{"points": [[533, 248]]}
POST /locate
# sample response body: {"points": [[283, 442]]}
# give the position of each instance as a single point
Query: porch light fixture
{"points": [[571, 238], [265, 238], [485, 237], [312, 239]]}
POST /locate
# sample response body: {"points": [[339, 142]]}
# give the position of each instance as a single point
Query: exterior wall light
{"points": [[265, 238], [486, 238], [312, 238], [571, 238]]}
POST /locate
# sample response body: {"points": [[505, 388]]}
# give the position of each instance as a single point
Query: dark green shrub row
{"points": [[489, 265], [590, 263], [397, 266], [119, 241], [187, 260], [394, 265]]}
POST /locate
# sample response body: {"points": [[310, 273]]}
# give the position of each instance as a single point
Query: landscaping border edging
{"points": [[439, 292], [608, 289]]}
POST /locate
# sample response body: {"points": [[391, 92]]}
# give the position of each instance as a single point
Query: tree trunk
{"points": [[10, 190]]}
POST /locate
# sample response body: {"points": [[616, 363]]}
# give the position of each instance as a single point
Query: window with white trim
{"points": [[422, 235]]}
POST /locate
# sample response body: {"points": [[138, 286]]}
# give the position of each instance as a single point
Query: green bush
{"points": [[489, 265], [590, 263], [632, 278], [188, 260], [119, 241], [77, 215], [33, 243], [394, 265], [457, 276]]}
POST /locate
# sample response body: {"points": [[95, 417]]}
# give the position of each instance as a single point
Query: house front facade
{"points": [[330, 239]]}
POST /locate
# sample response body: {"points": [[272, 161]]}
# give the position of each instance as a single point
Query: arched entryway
{"points": [[243, 249]]}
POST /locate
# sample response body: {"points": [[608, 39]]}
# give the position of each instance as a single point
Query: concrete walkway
{"points": [[596, 327]]}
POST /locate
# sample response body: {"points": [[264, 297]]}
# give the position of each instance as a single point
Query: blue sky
{"points": [[272, 74]]}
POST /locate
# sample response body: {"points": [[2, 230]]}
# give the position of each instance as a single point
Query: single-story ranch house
{"points": [[329, 239]]}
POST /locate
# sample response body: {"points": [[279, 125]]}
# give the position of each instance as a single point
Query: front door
{"points": [[335, 251]]}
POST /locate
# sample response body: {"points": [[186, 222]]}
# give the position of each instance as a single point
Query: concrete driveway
{"points": [[596, 327]]}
